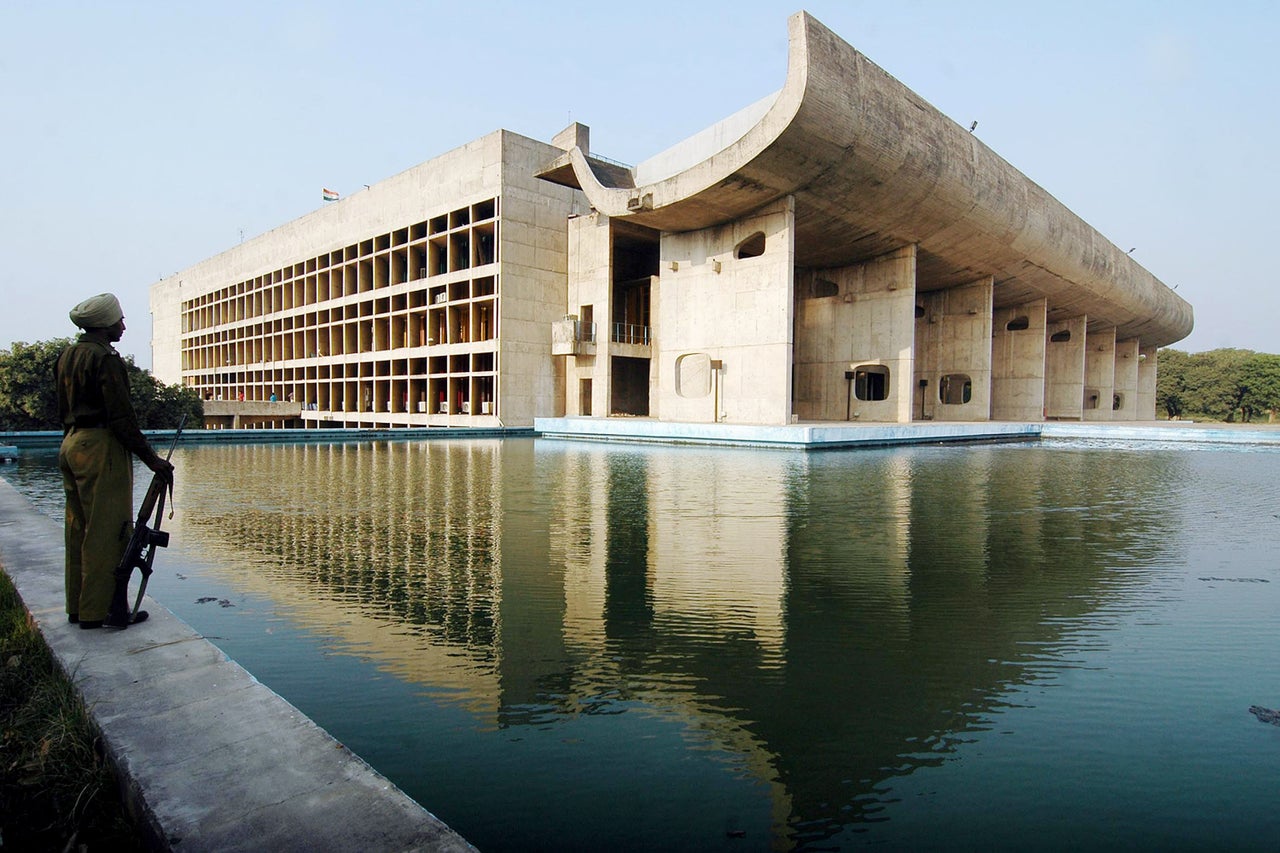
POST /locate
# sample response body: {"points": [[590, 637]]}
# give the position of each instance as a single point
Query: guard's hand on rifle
{"points": [[162, 467]]}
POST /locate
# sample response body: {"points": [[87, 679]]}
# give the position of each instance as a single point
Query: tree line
{"points": [[1231, 385], [29, 401]]}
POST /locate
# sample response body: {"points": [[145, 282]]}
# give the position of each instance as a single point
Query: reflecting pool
{"points": [[576, 646]]}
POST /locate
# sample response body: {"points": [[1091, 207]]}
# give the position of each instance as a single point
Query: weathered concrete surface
{"points": [[209, 758]]}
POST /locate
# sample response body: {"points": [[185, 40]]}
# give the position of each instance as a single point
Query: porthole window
{"points": [[1017, 324], [1060, 337], [693, 375], [871, 382], [752, 247], [955, 389]]}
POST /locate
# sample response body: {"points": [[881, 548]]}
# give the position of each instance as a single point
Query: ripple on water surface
{"points": [[560, 645]]}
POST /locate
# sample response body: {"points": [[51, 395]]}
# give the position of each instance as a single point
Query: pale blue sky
{"points": [[140, 138]]}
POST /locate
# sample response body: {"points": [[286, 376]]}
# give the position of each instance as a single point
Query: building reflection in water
{"points": [[830, 619]]}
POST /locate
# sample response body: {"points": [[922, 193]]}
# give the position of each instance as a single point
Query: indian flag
{"points": [[330, 195]]}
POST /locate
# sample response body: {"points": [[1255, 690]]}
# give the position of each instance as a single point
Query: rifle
{"points": [[141, 551]]}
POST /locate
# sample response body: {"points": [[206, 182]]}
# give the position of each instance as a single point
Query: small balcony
{"points": [[571, 336]]}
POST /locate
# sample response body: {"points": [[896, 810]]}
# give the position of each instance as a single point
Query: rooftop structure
{"points": [[837, 251]]}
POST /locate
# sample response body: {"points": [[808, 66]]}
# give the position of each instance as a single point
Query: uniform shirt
{"points": [[93, 391]]}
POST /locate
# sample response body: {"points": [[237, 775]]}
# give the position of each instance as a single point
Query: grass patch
{"points": [[57, 792]]}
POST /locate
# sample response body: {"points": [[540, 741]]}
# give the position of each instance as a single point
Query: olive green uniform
{"points": [[100, 432]]}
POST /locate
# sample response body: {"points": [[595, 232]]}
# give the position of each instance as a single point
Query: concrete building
{"points": [[838, 251], [425, 300]]}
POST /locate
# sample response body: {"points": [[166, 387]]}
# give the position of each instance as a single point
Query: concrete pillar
{"points": [[1147, 372], [1125, 391], [953, 353], [726, 315], [1064, 369], [1099, 375], [590, 268], [1018, 362], [854, 332]]}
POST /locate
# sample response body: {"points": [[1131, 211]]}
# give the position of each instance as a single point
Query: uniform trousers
{"points": [[97, 476]]}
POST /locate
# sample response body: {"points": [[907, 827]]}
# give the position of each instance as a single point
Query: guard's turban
{"points": [[97, 312]]}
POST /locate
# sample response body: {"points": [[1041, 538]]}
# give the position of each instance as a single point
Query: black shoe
{"points": [[73, 618], [90, 623], [120, 625]]}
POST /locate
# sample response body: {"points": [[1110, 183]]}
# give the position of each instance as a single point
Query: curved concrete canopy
{"points": [[874, 167]]}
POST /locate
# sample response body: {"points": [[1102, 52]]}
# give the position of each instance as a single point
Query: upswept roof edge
{"points": [[877, 167]]}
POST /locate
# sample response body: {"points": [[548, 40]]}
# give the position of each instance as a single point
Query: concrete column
{"points": [[1064, 369], [953, 353], [852, 320], [1125, 392], [1018, 362], [1099, 375], [726, 311], [1147, 372], [590, 268]]}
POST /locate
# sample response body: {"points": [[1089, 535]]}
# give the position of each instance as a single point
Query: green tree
{"points": [[1261, 382], [1171, 381], [161, 406], [28, 400], [1215, 383], [1222, 384]]}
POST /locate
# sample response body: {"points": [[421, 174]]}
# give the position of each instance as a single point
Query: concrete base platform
{"points": [[1217, 433], [800, 435], [817, 436], [209, 758]]}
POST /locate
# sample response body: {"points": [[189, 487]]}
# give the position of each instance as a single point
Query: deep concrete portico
{"points": [[873, 167], [842, 251]]}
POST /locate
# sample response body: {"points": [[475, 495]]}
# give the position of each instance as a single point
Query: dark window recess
{"points": [[1060, 337], [752, 247], [871, 383], [955, 389], [1018, 324]]}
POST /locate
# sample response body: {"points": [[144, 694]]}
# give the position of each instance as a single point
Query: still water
{"points": [[562, 646]]}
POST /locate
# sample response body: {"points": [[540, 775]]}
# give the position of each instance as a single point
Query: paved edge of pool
{"points": [[208, 758], [829, 435]]}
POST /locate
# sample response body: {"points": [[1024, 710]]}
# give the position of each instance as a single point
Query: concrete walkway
{"points": [[209, 758]]}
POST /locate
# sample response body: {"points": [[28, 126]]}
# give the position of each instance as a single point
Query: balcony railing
{"points": [[629, 333], [573, 337]]}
